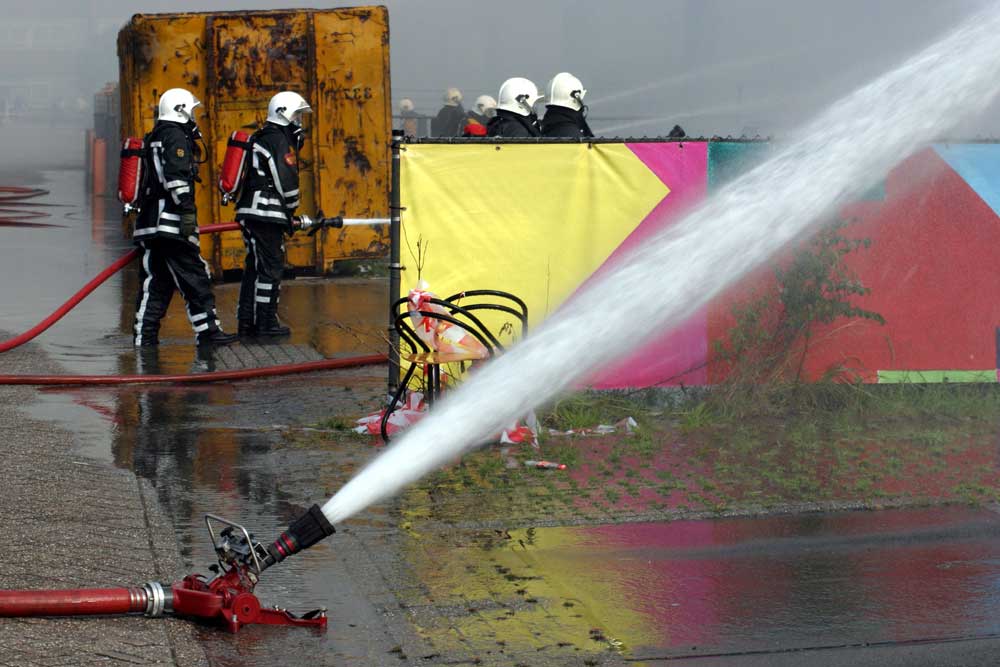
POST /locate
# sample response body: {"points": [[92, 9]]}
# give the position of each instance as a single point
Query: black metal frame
{"points": [[395, 267], [521, 314], [472, 324]]}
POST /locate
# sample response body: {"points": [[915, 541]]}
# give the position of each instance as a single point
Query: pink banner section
{"points": [[678, 356]]}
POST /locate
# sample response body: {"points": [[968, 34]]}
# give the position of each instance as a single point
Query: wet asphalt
{"points": [[901, 587]]}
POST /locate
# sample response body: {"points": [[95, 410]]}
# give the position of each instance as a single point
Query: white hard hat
{"points": [[518, 95], [406, 104], [287, 107], [177, 105], [565, 90], [486, 105], [452, 97]]}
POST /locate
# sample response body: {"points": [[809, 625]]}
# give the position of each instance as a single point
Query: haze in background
{"points": [[713, 66]]}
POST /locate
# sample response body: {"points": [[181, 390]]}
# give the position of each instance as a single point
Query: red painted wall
{"points": [[934, 273]]}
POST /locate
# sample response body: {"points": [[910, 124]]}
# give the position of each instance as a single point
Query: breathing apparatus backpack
{"points": [[234, 166], [132, 172]]}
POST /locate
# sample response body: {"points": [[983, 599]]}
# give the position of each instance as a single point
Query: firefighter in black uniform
{"points": [[450, 120], [167, 227], [265, 211], [564, 110], [515, 116]]}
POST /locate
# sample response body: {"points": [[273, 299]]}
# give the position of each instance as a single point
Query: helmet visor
{"points": [[297, 116]]}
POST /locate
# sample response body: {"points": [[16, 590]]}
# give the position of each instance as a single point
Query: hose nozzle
{"points": [[304, 532]]}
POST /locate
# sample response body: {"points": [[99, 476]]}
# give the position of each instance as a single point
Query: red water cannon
{"points": [[226, 599]]}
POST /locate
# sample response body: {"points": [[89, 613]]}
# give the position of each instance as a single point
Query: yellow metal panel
{"points": [[353, 117], [252, 57], [234, 61], [158, 54]]}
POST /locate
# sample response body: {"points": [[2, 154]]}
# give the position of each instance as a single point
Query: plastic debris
{"points": [[406, 414], [627, 426], [547, 465]]}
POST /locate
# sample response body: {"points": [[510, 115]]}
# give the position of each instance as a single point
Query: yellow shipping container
{"points": [[338, 59]]}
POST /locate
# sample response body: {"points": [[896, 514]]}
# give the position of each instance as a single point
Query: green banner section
{"points": [[921, 377]]}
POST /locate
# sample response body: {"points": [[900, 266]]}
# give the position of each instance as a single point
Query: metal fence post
{"points": [[395, 268]]}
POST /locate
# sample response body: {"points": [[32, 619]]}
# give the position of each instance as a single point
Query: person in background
{"points": [[167, 228], [479, 117], [450, 120], [565, 112], [265, 211], [515, 114], [409, 117]]}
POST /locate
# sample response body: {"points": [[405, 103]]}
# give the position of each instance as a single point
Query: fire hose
{"points": [[99, 279], [196, 378], [12, 203], [226, 599]]}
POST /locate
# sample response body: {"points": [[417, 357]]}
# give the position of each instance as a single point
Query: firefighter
{"points": [[565, 113], [167, 227], [478, 118], [515, 115], [265, 211], [451, 118], [408, 117]]}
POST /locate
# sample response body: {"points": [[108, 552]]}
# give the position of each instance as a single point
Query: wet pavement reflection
{"points": [[684, 589], [402, 590]]}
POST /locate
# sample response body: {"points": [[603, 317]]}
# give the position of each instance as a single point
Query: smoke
{"points": [[642, 60]]}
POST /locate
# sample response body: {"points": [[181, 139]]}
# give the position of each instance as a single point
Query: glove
{"points": [[189, 224]]}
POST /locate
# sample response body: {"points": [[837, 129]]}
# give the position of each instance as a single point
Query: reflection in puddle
{"points": [[682, 588]]}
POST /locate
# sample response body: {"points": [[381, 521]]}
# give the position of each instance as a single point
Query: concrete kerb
{"points": [[79, 523]]}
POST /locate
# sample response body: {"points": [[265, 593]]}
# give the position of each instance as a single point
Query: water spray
{"points": [[822, 167], [226, 599]]}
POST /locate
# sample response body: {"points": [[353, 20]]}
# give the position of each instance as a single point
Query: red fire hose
{"points": [[16, 341], [73, 602], [16, 216], [96, 282], [213, 376], [226, 599]]}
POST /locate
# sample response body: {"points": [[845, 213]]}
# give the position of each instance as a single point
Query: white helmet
{"points": [[565, 90], [177, 105], [287, 107], [518, 95], [486, 106], [405, 105], [452, 97]]}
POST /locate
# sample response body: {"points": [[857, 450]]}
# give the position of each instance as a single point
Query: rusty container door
{"points": [[156, 53], [253, 56], [352, 127]]}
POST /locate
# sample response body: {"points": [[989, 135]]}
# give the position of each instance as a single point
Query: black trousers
{"points": [[262, 270], [168, 265]]}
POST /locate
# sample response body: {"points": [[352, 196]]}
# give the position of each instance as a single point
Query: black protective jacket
{"points": [[564, 122], [449, 122], [168, 187], [511, 125], [271, 190]]}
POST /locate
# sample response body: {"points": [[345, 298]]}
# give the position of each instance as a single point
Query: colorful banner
{"points": [[541, 220]]}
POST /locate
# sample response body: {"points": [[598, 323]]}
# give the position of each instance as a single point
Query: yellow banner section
{"points": [[535, 220]]}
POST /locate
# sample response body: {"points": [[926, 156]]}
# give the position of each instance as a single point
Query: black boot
{"points": [[274, 328], [246, 329], [267, 321], [216, 337]]}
